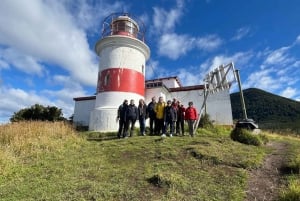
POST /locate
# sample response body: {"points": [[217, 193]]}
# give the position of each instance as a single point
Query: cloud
{"points": [[289, 92], [209, 42], [241, 33], [173, 45], [189, 77], [87, 14], [164, 21], [45, 31], [263, 79], [239, 59], [278, 57], [14, 99], [24, 63]]}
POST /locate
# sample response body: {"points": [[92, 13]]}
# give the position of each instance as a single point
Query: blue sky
{"points": [[47, 46]]}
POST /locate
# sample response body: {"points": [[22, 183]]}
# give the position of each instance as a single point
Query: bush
{"points": [[205, 122], [246, 137], [292, 193], [38, 113]]}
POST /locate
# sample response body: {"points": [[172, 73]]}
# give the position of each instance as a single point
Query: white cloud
{"points": [[209, 42], [45, 31], [298, 39], [24, 63], [14, 99], [164, 21], [278, 57], [189, 77], [289, 92], [263, 80], [173, 45], [239, 59], [241, 33]]}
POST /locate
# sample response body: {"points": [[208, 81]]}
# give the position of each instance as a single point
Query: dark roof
{"points": [[84, 98], [187, 88]]}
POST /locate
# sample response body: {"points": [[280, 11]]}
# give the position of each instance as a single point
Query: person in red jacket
{"points": [[191, 117]]}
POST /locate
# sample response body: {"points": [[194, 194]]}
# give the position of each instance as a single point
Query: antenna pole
{"points": [[241, 94]]}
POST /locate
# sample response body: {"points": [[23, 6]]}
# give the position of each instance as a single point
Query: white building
{"points": [[218, 104]]}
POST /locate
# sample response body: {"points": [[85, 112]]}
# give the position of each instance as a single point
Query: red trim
{"points": [[121, 79]]}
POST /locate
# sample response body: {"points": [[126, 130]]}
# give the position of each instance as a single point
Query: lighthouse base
{"points": [[103, 120]]}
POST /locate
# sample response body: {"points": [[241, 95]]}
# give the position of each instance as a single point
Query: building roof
{"points": [[84, 98], [166, 78], [187, 88]]}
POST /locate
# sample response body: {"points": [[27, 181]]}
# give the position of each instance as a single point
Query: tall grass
{"points": [[23, 138]]}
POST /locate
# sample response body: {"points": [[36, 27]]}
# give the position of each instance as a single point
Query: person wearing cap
{"points": [[191, 117], [121, 117], [170, 117]]}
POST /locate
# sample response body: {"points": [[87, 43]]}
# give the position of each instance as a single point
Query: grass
{"points": [[50, 161]]}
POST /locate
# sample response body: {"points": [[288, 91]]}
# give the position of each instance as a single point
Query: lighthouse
{"points": [[121, 75]]}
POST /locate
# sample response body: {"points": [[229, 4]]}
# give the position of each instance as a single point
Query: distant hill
{"points": [[270, 111]]}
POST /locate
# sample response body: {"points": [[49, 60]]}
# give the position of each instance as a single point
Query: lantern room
{"points": [[123, 24]]}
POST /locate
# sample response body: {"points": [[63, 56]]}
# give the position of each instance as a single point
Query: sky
{"points": [[47, 52]]}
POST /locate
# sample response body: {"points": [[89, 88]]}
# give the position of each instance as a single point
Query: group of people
{"points": [[163, 117]]}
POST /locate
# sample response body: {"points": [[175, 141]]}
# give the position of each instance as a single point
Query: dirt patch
{"points": [[264, 182]]}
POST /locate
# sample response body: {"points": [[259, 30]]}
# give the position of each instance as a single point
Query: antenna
{"points": [[217, 80]]}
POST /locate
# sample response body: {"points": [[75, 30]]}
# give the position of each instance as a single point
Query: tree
{"points": [[38, 112]]}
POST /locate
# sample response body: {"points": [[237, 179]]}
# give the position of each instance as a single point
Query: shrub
{"points": [[205, 122], [292, 193], [246, 137]]}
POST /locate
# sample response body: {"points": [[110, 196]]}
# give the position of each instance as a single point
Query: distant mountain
{"points": [[270, 111]]}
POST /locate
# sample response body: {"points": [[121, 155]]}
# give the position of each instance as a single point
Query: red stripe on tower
{"points": [[121, 79]]}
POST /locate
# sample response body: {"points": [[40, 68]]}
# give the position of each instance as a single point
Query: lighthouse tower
{"points": [[121, 74]]}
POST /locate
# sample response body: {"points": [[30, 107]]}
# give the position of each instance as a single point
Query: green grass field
{"points": [[50, 161]]}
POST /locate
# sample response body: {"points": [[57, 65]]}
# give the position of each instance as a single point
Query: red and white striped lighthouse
{"points": [[121, 74]]}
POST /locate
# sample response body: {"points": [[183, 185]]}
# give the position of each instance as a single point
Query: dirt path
{"points": [[265, 181]]}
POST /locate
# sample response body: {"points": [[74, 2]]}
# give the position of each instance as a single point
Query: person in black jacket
{"points": [[170, 118], [131, 117], [151, 114], [142, 109], [121, 117]]}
